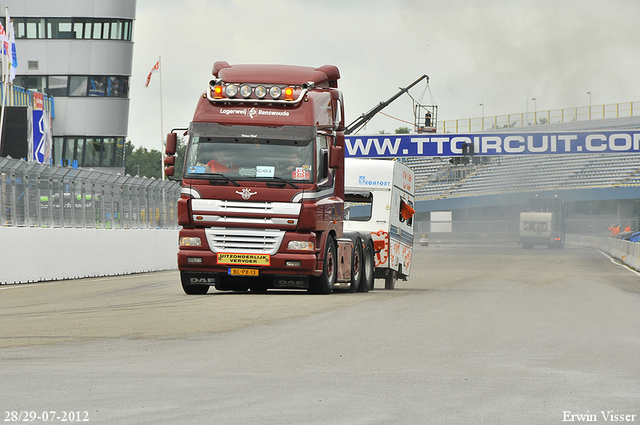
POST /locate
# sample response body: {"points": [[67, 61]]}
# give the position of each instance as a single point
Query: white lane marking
{"points": [[619, 263]]}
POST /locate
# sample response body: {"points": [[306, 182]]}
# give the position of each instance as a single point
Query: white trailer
{"points": [[379, 198], [536, 228]]}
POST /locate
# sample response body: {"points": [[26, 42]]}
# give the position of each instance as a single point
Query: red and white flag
{"points": [[155, 68], [4, 42]]}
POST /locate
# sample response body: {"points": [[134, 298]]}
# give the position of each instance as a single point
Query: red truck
{"points": [[262, 200]]}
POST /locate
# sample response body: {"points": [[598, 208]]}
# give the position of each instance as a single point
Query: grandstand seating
{"points": [[512, 174]]}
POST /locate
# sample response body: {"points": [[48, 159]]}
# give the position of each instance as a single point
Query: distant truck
{"points": [[543, 224], [379, 199]]}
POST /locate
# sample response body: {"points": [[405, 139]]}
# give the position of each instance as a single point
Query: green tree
{"points": [[142, 162], [402, 130]]}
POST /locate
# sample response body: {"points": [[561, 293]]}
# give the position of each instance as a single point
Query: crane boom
{"points": [[365, 118]]}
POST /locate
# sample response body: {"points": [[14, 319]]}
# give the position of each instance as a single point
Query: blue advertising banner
{"points": [[41, 137], [487, 144]]}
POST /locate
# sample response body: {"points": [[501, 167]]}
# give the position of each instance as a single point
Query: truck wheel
{"points": [[356, 266], [190, 289], [368, 269], [323, 284], [390, 280]]}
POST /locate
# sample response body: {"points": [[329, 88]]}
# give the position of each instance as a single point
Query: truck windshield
{"points": [[250, 158]]}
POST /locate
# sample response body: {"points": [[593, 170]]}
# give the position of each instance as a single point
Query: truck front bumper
{"points": [[279, 264]]}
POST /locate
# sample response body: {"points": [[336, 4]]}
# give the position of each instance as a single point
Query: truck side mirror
{"points": [[335, 156], [172, 144], [169, 171], [169, 160]]}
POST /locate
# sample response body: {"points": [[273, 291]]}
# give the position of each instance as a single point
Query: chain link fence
{"points": [[37, 195]]}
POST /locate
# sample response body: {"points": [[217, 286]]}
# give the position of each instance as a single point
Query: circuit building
{"points": [[80, 52]]}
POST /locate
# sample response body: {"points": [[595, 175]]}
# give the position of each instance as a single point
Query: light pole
{"points": [[482, 105], [535, 111], [589, 93]]}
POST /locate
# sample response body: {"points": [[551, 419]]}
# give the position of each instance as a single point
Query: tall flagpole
{"points": [[161, 116]]}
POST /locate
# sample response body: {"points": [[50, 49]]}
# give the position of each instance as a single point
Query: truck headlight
{"points": [[246, 90], [231, 90], [190, 241], [261, 92], [275, 92], [301, 245]]}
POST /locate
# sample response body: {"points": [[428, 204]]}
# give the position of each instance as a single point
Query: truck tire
{"points": [[390, 280], [356, 265], [323, 284], [190, 289], [368, 269]]}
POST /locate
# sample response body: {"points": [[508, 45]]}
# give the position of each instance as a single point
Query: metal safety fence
{"points": [[534, 118], [37, 195]]}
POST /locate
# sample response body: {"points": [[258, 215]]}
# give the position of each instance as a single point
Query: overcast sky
{"points": [[500, 53]]}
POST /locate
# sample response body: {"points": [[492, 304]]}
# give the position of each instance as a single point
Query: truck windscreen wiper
{"points": [[228, 179], [284, 182]]}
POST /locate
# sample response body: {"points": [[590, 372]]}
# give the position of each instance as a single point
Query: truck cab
{"points": [[262, 199]]}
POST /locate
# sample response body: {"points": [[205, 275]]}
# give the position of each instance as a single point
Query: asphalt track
{"points": [[482, 334]]}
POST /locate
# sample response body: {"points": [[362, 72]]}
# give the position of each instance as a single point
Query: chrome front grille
{"points": [[223, 212], [251, 241]]}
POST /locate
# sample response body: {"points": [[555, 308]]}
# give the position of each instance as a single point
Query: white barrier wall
{"points": [[40, 254], [625, 251]]}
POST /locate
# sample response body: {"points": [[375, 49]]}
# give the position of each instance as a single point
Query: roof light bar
{"points": [[219, 91]]}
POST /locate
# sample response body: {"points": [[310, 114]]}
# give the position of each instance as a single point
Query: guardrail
{"points": [[625, 251], [37, 195], [553, 116]]}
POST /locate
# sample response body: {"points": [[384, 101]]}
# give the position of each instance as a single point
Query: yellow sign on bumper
{"points": [[246, 259]]}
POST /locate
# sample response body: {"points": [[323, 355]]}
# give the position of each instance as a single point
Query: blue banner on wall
{"points": [[41, 151], [488, 144]]}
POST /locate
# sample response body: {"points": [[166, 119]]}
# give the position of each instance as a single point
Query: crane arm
{"points": [[365, 118]]}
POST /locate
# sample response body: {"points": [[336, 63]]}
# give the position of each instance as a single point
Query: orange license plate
{"points": [[243, 272]]}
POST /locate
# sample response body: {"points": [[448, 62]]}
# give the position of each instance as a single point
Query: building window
{"points": [[109, 150], [76, 85], [58, 143], [97, 86], [60, 28], [58, 86], [72, 28], [34, 83], [28, 27], [117, 87], [89, 151]]}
